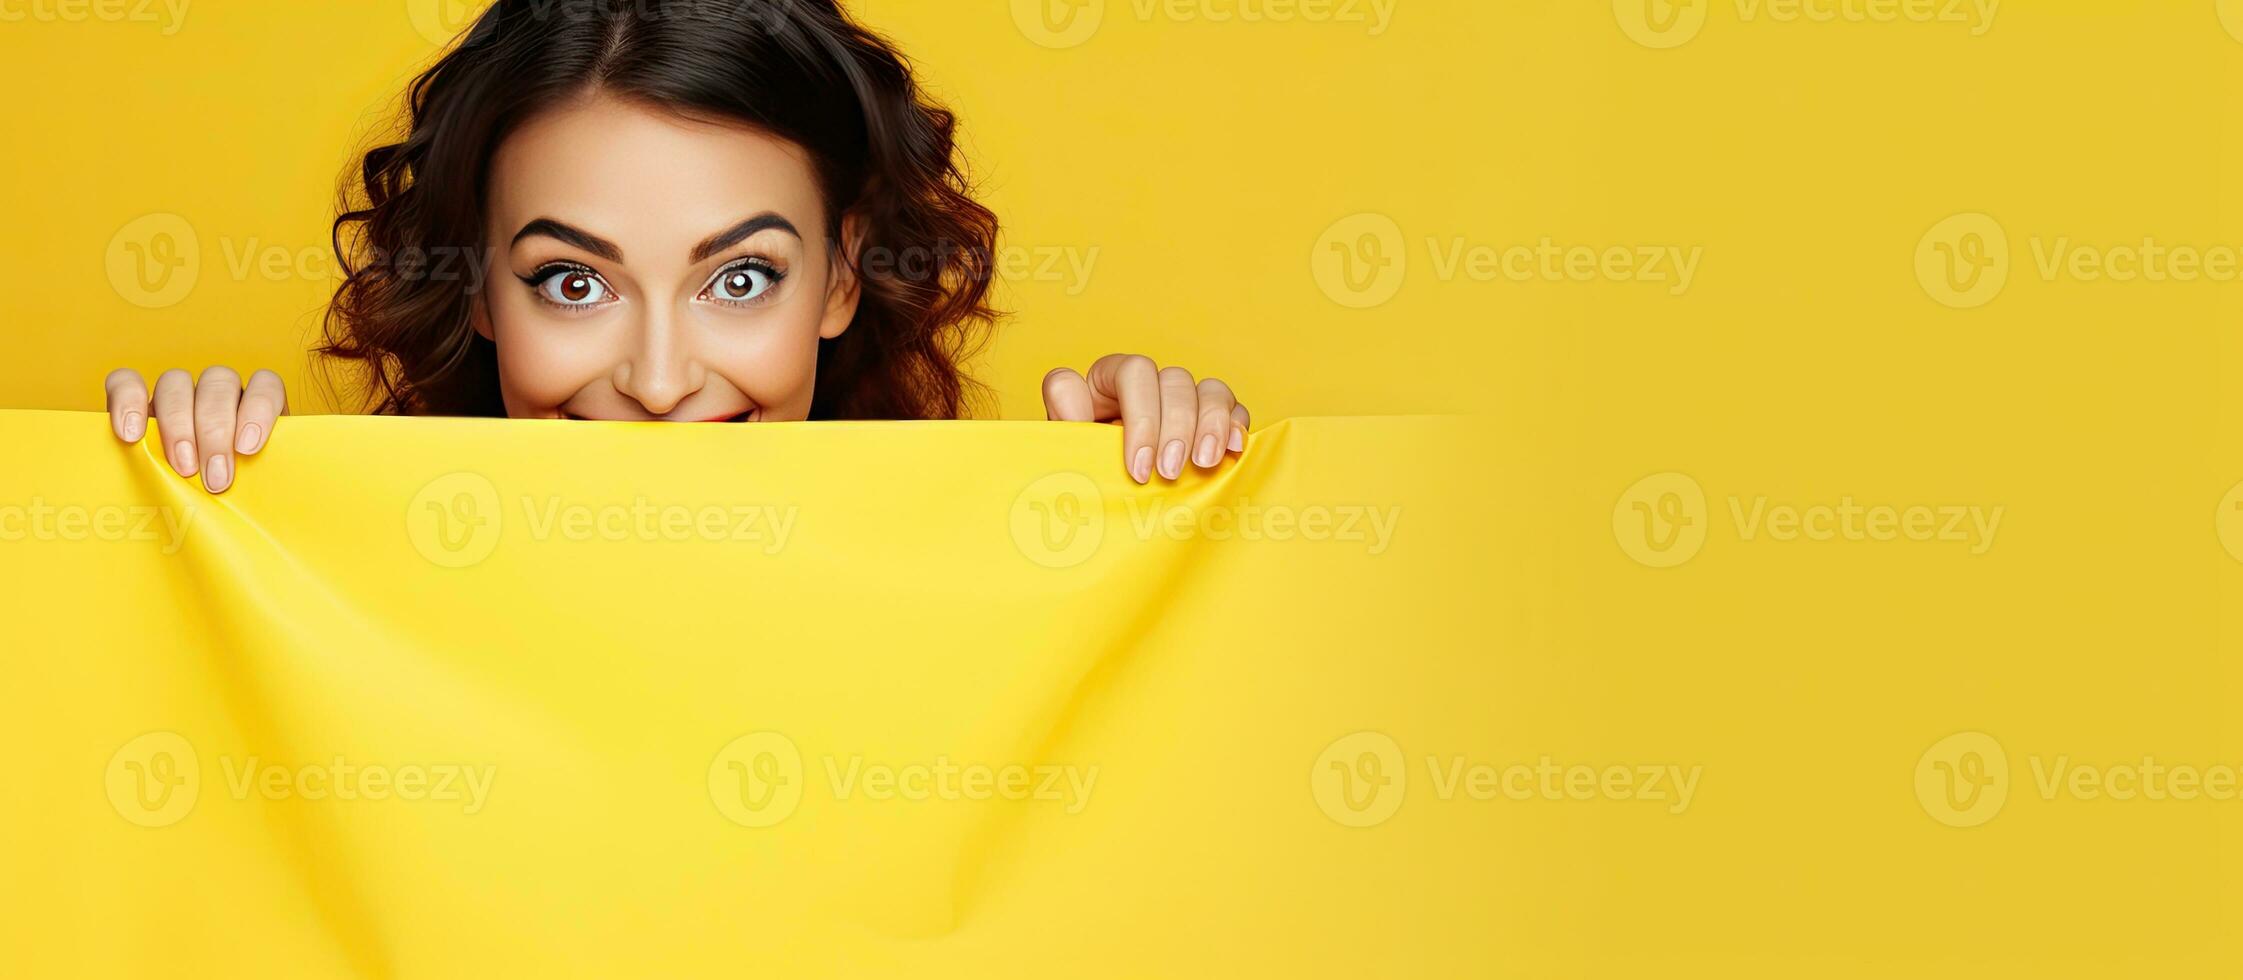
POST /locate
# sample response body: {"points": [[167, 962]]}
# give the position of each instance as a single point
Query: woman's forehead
{"points": [[650, 180]]}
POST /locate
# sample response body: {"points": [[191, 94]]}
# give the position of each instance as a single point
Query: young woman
{"points": [[670, 210]]}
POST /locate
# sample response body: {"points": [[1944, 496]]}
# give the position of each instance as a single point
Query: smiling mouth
{"points": [[742, 417]]}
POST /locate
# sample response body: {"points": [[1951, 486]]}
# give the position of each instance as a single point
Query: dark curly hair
{"points": [[800, 70]]}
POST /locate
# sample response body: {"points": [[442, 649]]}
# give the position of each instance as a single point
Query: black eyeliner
{"points": [[541, 274]]}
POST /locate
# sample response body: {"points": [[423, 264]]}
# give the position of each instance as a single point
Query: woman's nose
{"points": [[660, 370]]}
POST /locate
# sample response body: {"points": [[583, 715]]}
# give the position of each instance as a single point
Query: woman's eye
{"points": [[573, 287], [741, 283]]}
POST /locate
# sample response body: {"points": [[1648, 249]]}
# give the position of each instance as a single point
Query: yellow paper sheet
{"points": [[986, 678], [482, 698]]}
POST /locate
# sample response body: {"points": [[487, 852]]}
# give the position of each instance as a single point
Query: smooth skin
{"points": [[638, 277]]}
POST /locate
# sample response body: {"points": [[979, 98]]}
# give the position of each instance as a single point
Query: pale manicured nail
{"points": [[1141, 468], [133, 422], [251, 437], [1172, 459], [183, 458], [1238, 439], [1208, 452], [217, 476]]}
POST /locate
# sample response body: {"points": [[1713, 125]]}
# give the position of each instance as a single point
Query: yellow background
{"points": [[1204, 160], [1806, 364]]}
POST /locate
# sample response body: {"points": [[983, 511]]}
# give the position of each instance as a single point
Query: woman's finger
{"points": [[263, 402], [1242, 422], [175, 419], [1213, 432], [128, 404], [1179, 412], [1106, 377], [217, 401], [1067, 397], [1127, 387]]}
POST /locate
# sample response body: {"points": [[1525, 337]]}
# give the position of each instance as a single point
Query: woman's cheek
{"points": [[776, 368], [539, 370]]}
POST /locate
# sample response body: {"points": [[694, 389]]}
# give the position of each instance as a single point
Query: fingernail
{"points": [[1172, 459], [1141, 468], [183, 458], [1238, 438], [218, 475], [132, 426], [252, 436], [1207, 454]]}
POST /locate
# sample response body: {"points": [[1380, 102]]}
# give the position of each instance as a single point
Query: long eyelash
{"points": [[773, 272], [550, 269], [770, 271], [543, 274]]}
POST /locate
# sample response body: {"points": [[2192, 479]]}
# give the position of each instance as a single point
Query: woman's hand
{"points": [[1167, 418], [204, 422]]}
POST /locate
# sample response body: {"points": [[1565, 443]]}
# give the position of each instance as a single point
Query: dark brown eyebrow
{"points": [[574, 236], [739, 233]]}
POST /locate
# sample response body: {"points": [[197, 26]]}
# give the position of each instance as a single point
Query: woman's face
{"points": [[648, 267]]}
